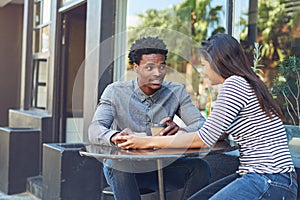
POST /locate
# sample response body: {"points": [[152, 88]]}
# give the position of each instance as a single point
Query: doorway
{"points": [[73, 36]]}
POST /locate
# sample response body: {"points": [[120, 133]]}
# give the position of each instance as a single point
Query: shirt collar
{"points": [[142, 96]]}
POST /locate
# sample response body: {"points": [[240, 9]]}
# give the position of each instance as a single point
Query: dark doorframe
{"points": [[72, 48]]}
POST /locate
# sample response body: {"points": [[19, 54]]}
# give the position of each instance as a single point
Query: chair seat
{"points": [[108, 191], [146, 194]]}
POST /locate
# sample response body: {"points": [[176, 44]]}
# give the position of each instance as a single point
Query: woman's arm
{"points": [[136, 141]]}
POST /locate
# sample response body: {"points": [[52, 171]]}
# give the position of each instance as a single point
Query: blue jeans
{"points": [[191, 174], [251, 186]]}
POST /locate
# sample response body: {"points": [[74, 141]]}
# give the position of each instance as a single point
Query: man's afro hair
{"points": [[146, 45]]}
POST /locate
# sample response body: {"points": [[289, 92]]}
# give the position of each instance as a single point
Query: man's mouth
{"points": [[155, 81]]}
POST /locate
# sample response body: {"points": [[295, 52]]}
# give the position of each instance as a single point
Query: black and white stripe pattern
{"points": [[263, 141]]}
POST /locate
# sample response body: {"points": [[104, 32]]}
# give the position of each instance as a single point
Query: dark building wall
{"points": [[11, 27]]}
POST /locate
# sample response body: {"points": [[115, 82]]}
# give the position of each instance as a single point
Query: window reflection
{"points": [[271, 23], [45, 39], [37, 13], [182, 24], [63, 2], [46, 11]]}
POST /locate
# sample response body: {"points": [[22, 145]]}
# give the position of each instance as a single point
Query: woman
{"points": [[245, 109]]}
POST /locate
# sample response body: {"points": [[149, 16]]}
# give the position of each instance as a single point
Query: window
{"points": [[39, 92], [182, 24], [41, 26], [41, 33]]}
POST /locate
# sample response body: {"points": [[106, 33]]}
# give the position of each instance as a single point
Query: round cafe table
{"points": [[102, 152]]}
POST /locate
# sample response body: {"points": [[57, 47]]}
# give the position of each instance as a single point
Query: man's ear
{"points": [[135, 66]]}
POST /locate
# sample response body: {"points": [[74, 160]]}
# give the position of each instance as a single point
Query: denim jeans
{"points": [[251, 186], [191, 174]]}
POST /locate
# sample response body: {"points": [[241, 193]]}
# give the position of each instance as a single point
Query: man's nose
{"points": [[156, 71]]}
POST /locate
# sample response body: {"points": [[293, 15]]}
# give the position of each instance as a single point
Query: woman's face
{"points": [[213, 76]]}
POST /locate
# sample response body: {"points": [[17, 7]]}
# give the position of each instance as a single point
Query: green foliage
{"points": [[256, 58], [274, 30], [274, 26], [287, 84], [192, 18]]}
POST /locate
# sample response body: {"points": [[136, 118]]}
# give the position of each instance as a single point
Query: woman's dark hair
{"points": [[146, 45], [226, 57]]}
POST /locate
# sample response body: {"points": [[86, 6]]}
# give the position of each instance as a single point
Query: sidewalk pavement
{"points": [[21, 196]]}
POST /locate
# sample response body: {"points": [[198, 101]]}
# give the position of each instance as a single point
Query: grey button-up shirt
{"points": [[124, 105]]}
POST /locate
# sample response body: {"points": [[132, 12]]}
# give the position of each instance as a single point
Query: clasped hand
{"points": [[129, 139]]}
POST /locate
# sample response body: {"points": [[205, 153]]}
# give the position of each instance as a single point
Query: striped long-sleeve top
{"points": [[262, 140]]}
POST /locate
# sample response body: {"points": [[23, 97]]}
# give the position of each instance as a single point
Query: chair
{"points": [[146, 194]]}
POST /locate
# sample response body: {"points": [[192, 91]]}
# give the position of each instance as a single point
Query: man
{"points": [[131, 107]]}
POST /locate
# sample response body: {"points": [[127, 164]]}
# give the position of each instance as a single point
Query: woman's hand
{"points": [[126, 131], [134, 141]]}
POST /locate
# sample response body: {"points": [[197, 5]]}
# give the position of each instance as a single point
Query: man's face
{"points": [[151, 72]]}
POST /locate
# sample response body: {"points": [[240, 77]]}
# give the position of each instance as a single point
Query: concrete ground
{"points": [[22, 196]]}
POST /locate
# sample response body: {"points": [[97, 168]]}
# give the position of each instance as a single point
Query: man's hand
{"points": [[171, 127], [181, 132]]}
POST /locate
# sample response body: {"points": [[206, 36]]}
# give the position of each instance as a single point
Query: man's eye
{"points": [[149, 68], [162, 66]]}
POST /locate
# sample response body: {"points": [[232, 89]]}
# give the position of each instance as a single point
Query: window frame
{"points": [[40, 53]]}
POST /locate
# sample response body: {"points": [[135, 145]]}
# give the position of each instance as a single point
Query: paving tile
{"points": [[22, 196]]}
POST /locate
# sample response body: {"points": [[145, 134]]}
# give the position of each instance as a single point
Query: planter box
{"points": [[69, 176], [293, 133], [19, 158]]}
